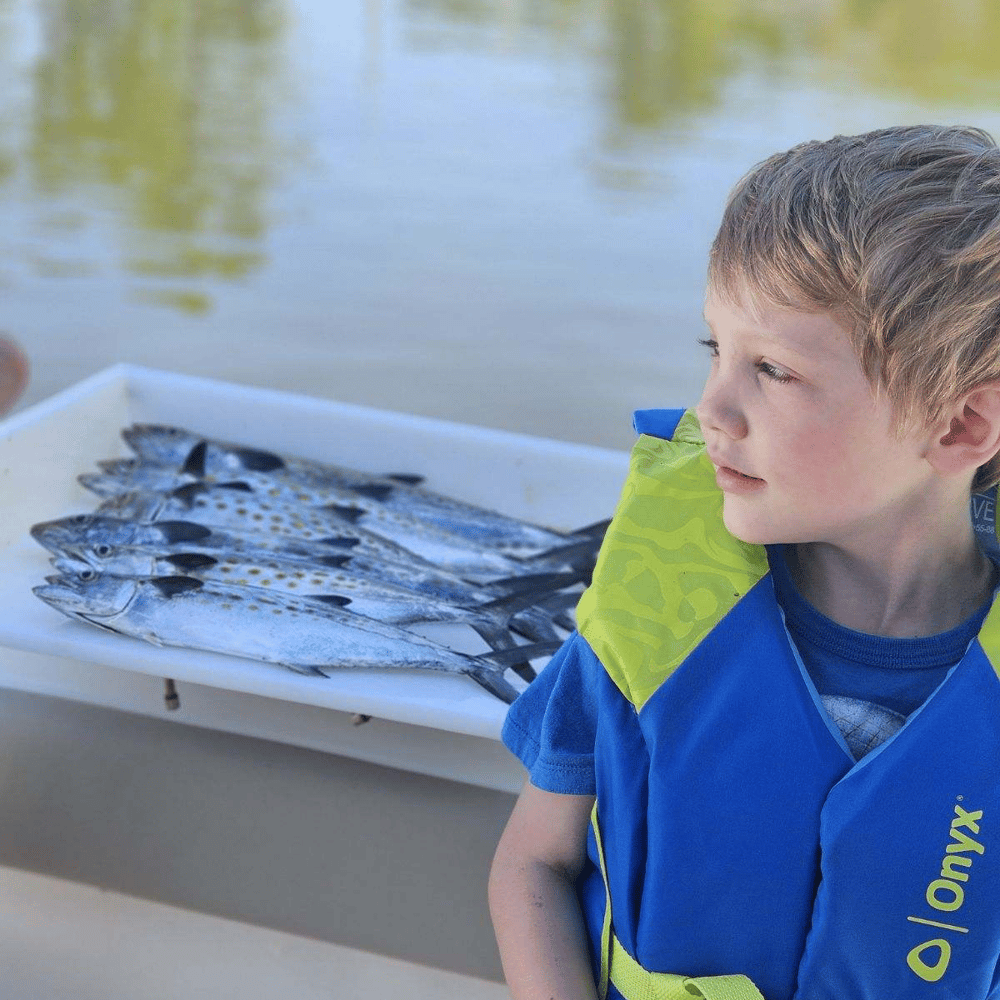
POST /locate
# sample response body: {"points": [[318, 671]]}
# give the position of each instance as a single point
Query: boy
{"points": [[783, 693]]}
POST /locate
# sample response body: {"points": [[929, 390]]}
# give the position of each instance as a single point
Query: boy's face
{"points": [[803, 450]]}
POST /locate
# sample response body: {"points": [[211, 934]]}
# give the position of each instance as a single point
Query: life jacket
{"points": [[733, 832]]}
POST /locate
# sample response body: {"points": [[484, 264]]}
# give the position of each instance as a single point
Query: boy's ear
{"points": [[972, 436]]}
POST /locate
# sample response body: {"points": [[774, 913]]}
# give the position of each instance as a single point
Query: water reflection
{"points": [[169, 103], [665, 58]]}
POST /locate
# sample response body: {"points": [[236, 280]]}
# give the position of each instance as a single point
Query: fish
{"points": [[234, 505], [363, 594], [206, 458], [303, 635], [112, 545]]}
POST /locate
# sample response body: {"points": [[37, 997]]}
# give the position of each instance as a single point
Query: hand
{"points": [[14, 369]]}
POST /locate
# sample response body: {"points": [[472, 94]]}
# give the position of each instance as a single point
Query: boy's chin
{"points": [[749, 530]]}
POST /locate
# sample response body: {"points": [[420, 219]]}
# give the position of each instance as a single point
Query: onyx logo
{"points": [[946, 894]]}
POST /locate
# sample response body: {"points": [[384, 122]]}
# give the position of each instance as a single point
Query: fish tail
{"points": [[533, 625], [595, 530], [498, 637], [494, 683]]}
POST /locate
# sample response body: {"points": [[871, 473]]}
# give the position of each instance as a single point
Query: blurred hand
{"points": [[14, 370]]}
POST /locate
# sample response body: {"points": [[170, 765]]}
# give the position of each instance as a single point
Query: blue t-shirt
{"points": [[551, 727]]}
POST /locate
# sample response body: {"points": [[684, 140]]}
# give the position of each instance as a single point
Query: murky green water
{"points": [[490, 210]]}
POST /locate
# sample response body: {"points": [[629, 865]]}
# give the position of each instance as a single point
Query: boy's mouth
{"points": [[742, 475], [731, 480]]}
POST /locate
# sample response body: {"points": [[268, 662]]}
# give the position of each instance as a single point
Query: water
{"points": [[492, 211]]}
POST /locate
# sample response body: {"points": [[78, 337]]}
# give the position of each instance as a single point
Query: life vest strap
{"points": [[636, 983]]}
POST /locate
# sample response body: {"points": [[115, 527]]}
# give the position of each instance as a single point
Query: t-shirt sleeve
{"points": [[552, 726]]}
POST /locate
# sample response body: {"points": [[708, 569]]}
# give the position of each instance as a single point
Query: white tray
{"points": [[44, 448]]}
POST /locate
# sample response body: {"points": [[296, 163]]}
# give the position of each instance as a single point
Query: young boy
{"points": [[783, 694]]}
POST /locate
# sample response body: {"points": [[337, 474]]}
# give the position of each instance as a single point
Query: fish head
{"points": [[119, 466], [104, 484], [67, 534], [161, 443], [88, 594], [145, 478]]}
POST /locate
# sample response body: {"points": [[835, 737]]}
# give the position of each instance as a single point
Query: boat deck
{"points": [[62, 938]]}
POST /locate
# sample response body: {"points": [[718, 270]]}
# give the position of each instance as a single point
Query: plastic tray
{"points": [[44, 448]]}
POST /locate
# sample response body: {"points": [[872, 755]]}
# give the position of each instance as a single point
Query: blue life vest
{"points": [[735, 831]]}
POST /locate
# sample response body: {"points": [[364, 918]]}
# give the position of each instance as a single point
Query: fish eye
{"points": [[87, 574], [103, 550]]}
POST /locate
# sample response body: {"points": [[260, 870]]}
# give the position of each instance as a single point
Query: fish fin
{"points": [[189, 493], [170, 586], [194, 464], [334, 562], [257, 460], [351, 514], [406, 478], [340, 542], [189, 561], [374, 491], [337, 600], [182, 531], [235, 484]]}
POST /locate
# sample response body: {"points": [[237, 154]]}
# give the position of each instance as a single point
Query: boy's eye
{"points": [[775, 374], [712, 345]]}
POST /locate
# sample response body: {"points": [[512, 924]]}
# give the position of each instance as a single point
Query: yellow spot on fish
{"points": [[274, 492], [265, 506], [280, 576], [276, 611], [264, 583], [255, 572], [221, 506], [225, 569], [300, 576], [258, 517], [242, 511], [292, 583], [252, 607], [228, 607]]}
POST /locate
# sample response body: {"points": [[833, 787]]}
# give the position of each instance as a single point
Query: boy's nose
{"points": [[718, 411]]}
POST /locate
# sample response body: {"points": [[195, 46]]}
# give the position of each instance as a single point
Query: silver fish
{"points": [[234, 505], [102, 543], [276, 628], [219, 460], [364, 595]]}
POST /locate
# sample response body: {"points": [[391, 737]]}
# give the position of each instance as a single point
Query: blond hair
{"points": [[896, 233]]}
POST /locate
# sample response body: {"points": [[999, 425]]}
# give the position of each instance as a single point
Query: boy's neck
{"points": [[893, 586]]}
